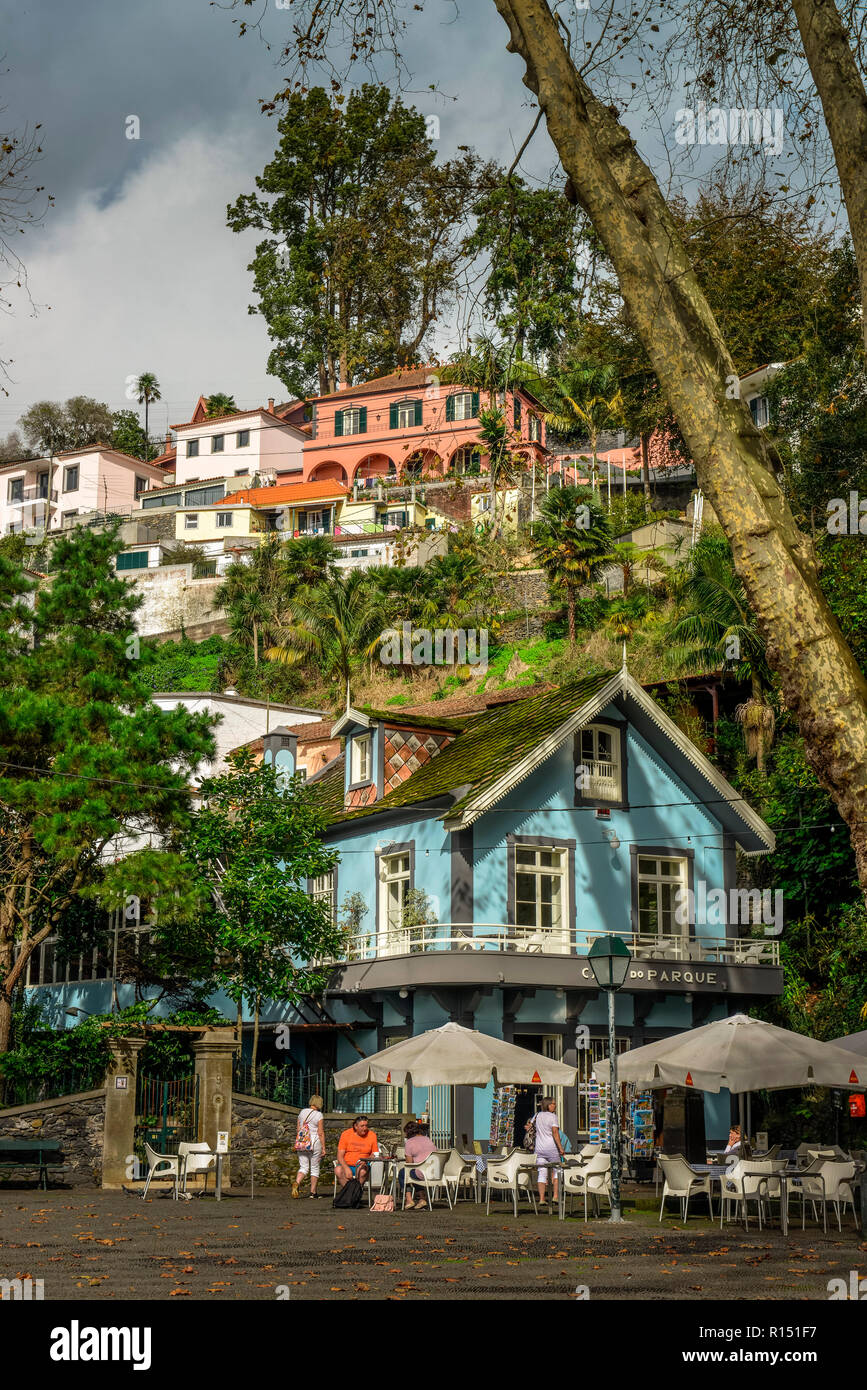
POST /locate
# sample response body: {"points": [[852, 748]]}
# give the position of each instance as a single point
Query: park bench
{"points": [[43, 1156]]}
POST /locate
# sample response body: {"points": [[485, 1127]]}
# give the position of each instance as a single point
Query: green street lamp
{"points": [[609, 958]]}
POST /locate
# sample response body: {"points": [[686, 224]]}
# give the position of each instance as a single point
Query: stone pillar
{"points": [[120, 1093], [214, 1053]]}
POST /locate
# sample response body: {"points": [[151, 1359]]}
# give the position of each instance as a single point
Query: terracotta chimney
{"points": [[271, 404]]}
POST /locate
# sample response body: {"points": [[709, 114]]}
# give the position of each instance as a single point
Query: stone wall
{"points": [[76, 1121], [270, 1128], [522, 589], [173, 601]]}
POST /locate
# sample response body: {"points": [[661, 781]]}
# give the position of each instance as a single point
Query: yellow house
{"points": [[197, 525]]}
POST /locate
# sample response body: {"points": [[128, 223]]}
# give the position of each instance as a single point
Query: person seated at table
{"points": [[734, 1144], [419, 1146], [549, 1146], [355, 1147]]}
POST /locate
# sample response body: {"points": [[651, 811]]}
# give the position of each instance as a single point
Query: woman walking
{"points": [[548, 1146], [309, 1145]]}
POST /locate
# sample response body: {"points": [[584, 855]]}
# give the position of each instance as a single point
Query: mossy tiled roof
{"points": [[482, 752], [327, 788]]}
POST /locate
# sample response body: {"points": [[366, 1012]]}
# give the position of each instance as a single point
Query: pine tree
{"points": [[88, 764]]}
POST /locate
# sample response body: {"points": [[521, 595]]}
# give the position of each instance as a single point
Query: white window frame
{"points": [[463, 405], [762, 412], [218, 443], [352, 420], [191, 521], [362, 759], [395, 881], [406, 415], [322, 890], [558, 926], [224, 520], [15, 484], [71, 468], [242, 442], [666, 903], [192, 448], [602, 785]]}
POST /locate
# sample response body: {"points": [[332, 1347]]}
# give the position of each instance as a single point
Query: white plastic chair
{"points": [[197, 1158], [750, 1180], [681, 1182], [170, 1162], [831, 1183], [593, 1178], [458, 1172], [428, 1174], [516, 1174]]}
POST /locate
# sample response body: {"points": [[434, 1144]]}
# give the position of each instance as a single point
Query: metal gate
{"points": [[166, 1113]]}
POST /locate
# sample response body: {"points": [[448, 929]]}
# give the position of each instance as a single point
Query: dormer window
{"points": [[362, 747], [598, 775]]}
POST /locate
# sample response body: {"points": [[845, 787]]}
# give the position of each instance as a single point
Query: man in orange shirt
{"points": [[354, 1147]]}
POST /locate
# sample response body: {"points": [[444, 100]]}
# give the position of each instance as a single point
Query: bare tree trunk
{"points": [[821, 682], [844, 102], [255, 643], [256, 1012]]}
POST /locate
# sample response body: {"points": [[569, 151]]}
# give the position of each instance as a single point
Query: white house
{"points": [[242, 719], [40, 494], [246, 442]]}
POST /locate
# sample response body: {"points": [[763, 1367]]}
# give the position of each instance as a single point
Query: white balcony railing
{"points": [[503, 938], [602, 780]]}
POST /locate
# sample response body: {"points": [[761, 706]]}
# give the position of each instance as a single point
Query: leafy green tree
{"points": [[52, 427], [533, 239], [583, 400], [308, 560], [87, 761], [249, 852], [13, 448], [572, 543], [715, 626], [221, 404], [338, 626], [147, 389], [363, 233], [253, 593], [128, 436]]}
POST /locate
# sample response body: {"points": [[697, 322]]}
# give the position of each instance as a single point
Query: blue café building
{"points": [[483, 854]]}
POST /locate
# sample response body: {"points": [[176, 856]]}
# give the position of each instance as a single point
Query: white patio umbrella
{"points": [[853, 1042], [739, 1054], [454, 1056]]}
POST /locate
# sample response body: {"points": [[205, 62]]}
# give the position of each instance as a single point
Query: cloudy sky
{"points": [[134, 268]]}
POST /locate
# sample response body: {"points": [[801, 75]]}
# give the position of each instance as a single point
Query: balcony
{"points": [[497, 953]]}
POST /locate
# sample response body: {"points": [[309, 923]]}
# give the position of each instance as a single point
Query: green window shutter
{"points": [[450, 407], [362, 422], [417, 412], [475, 403], [517, 412], [338, 422], [392, 416]]}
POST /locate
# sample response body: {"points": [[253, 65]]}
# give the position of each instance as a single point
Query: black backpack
{"points": [[351, 1194]]}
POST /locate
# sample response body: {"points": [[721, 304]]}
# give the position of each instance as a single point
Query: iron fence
{"points": [[288, 1085], [28, 1090]]}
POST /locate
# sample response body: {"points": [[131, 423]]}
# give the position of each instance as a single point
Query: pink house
{"points": [[408, 424]]}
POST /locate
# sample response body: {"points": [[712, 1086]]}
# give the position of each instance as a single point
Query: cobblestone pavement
{"points": [[93, 1245]]}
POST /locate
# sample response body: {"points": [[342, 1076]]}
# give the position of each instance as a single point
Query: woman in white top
{"points": [[548, 1146], [311, 1160]]}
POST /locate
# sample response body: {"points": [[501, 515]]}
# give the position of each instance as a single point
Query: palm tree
{"points": [[253, 594], [308, 560], [148, 389], [338, 624], [583, 397], [221, 404], [572, 542], [715, 626]]}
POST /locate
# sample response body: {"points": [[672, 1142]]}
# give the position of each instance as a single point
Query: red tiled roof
{"points": [[232, 415], [283, 492], [392, 381]]}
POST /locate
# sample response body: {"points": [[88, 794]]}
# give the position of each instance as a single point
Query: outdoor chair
{"points": [[171, 1163], [458, 1172], [515, 1174], [430, 1177], [831, 1182], [751, 1180], [197, 1159], [592, 1178], [681, 1182], [589, 1151]]}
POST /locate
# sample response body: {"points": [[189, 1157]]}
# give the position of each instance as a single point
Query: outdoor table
{"points": [[218, 1193]]}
